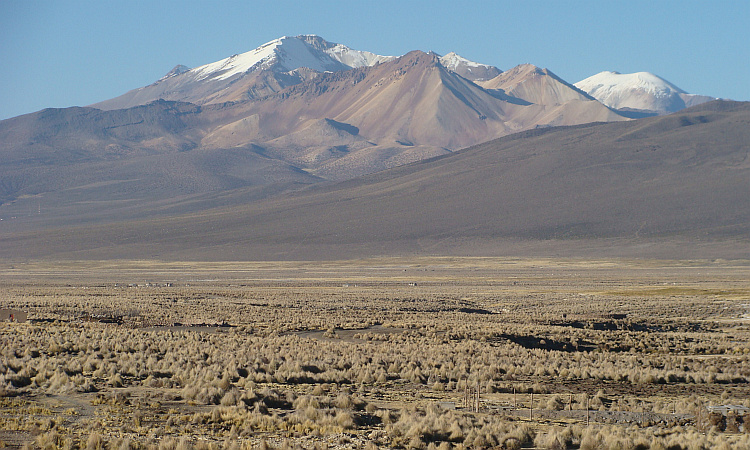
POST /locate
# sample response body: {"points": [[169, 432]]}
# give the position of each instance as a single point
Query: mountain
{"points": [[666, 186], [297, 116], [412, 101], [640, 92], [535, 85], [267, 69], [333, 126]]}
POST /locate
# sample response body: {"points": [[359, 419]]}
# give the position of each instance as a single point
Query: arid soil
{"points": [[377, 353]]}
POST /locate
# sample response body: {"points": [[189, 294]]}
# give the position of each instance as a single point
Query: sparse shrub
{"points": [[95, 442]]}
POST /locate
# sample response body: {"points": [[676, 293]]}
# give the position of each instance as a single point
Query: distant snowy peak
{"points": [[606, 83], [287, 53], [469, 69], [290, 53], [452, 61], [356, 58], [343, 54], [638, 91], [268, 69]]}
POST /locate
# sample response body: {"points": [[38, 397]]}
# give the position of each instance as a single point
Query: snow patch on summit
{"points": [[609, 83], [291, 53], [228, 67], [356, 58], [638, 91], [468, 69], [451, 61]]}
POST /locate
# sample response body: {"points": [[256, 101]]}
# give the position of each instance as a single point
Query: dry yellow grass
{"points": [[344, 354]]}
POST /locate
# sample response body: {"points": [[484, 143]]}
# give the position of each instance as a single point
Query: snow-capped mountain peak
{"points": [[469, 69], [288, 54], [267, 69], [356, 58], [349, 57], [263, 57], [638, 91], [608, 82], [453, 60]]}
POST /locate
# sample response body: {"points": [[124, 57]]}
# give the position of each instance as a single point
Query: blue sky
{"points": [[73, 53]]}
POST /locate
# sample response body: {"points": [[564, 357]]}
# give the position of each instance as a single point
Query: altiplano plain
{"points": [[376, 353], [454, 226]]}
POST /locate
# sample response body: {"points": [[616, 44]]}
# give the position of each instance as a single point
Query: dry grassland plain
{"points": [[377, 353]]}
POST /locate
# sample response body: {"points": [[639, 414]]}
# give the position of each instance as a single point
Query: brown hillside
{"points": [[672, 185], [535, 85]]}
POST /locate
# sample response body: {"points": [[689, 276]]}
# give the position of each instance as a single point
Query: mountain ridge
{"points": [[664, 186], [273, 66], [287, 61]]}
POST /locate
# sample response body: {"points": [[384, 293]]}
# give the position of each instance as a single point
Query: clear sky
{"points": [[56, 53]]}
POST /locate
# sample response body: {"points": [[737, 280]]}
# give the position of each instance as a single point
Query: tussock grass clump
{"points": [[310, 359]]}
